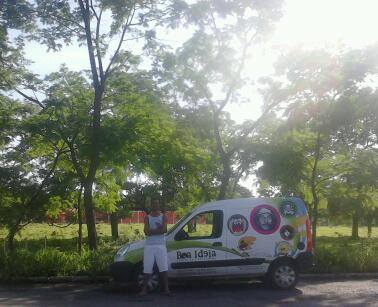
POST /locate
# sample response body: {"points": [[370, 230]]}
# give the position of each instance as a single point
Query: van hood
{"points": [[133, 252], [137, 244]]}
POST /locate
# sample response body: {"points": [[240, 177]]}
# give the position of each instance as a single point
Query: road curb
{"points": [[339, 276], [106, 278], [58, 279]]}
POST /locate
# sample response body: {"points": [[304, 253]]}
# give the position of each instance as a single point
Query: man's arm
{"points": [[164, 230], [146, 226]]}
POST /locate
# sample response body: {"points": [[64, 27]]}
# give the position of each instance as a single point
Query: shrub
{"points": [[53, 262], [344, 255]]}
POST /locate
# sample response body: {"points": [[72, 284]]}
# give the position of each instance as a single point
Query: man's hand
{"points": [[159, 231]]}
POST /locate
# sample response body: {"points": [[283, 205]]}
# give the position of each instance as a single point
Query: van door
{"points": [[197, 247], [250, 249]]}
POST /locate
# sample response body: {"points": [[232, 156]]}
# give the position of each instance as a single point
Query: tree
{"points": [[14, 15], [355, 190], [209, 70], [63, 22], [309, 85], [27, 168]]}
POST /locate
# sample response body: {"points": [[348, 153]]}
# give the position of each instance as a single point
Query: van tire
{"points": [[154, 283], [282, 274]]}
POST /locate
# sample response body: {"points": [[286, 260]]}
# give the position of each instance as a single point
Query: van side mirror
{"points": [[192, 225], [181, 235]]}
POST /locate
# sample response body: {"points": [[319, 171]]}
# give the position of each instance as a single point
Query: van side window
{"points": [[206, 225]]}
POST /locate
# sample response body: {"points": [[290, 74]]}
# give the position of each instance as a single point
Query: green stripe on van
{"points": [[136, 255]]}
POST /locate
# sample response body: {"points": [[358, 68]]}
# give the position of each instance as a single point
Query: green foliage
{"points": [[208, 73], [53, 262], [335, 253], [160, 114], [343, 255]]}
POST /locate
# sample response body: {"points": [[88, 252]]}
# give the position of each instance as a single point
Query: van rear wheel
{"points": [[283, 275]]}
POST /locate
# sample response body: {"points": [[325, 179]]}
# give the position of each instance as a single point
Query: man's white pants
{"points": [[152, 254]]}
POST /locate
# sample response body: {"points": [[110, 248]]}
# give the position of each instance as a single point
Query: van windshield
{"points": [[172, 229]]}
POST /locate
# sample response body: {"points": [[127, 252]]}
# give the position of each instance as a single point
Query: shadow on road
{"points": [[193, 294]]}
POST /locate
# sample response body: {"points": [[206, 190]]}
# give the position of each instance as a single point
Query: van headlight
{"points": [[119, 256]]}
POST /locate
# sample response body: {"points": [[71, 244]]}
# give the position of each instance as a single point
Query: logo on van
{"points": [[283, 249], [287, 232], [265, 219], [288, 208], [198, 254], [237, 224], [246, 243]]}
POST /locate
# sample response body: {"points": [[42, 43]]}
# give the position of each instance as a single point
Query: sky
{"points": [[305, 24]]}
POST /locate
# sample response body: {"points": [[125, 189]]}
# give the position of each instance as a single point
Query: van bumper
{"points": [[122, 271], [305, 261]]}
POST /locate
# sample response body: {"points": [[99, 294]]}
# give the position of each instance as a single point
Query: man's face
{"points": [[155, 205]]}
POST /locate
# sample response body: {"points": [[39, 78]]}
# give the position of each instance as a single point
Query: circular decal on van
{"points": [[237, 224], [288, 208], [301, 246], [265, 219], [283, 249], [246, 243], [287, 232]]}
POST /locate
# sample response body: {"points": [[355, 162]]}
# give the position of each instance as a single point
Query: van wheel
{"points": [[283, 275], [153, 283]]}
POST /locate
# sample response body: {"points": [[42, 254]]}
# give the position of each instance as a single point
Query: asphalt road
{"points": [[307, 293]]}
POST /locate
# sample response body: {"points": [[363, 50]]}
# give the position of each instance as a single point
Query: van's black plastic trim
{"points": [[305, 261], [217, 263]]}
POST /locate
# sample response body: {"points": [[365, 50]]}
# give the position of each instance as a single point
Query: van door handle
{"points": [[217, 244]]}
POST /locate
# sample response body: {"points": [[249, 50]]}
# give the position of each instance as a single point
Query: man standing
{"points": [[155, 226]]}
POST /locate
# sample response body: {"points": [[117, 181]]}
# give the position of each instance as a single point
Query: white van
{"points": [[267, 238]]}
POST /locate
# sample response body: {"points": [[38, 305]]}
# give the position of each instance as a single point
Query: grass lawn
{"points": [[128, 232], [43, 250], [344, 231]]}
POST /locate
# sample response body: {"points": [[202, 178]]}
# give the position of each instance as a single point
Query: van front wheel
{"points": [[153, 283], [283, 275]]}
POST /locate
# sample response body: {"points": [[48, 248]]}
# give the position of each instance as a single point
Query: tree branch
{"points": [[237, 75], [97, 41], [55, 225], [31, 99], [254, 126], [127, 25], [74, 160], [46, 179], [88, 34]]}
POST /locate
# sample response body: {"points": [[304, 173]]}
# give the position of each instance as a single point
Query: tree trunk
{"points": [[309, 208], [224, 156], [314, 220], [10, 238], [370, 228], [315, 198], [226, 175], [80, 221], [99, 87], [355, 222], [114, 225], [369, 222], [89, 216]]}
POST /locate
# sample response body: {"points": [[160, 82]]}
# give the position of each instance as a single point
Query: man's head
{"points": [[155, 204]]}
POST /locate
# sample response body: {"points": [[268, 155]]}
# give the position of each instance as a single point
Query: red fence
{"points": [[135, 217], [138, 217]]}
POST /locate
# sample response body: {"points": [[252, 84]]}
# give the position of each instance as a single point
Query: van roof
{"points": [[244, 202]]}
